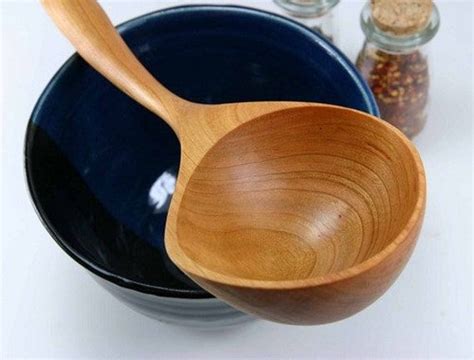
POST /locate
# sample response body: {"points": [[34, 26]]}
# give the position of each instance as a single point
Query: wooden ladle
{"points": [[299, 213]]}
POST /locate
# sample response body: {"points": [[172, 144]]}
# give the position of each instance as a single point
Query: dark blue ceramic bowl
{"points": [[101, 168]]}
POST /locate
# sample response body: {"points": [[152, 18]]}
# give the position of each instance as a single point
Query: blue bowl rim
{"points": [[123, 27]]}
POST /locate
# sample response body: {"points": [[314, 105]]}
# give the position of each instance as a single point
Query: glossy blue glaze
{"points": [[100, 167]]}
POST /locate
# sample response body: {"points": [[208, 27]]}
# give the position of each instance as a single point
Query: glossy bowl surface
{"points": [[101, 168]]}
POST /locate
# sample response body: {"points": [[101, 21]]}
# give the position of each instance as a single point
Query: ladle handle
{"points": [[91, 32]]}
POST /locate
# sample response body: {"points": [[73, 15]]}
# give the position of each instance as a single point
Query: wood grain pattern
{"points": [[302, 216], [299, 213]]}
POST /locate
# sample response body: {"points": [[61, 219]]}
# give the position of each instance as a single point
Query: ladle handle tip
{"points": [[91, 32]]}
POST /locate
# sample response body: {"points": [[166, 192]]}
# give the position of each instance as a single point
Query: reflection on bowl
{"points": [[161, 192], [101, 169]]}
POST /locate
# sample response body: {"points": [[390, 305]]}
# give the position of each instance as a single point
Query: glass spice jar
{"points": [[319, 15], [394, 59]]}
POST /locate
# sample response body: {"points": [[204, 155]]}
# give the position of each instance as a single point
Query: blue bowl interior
{"points": [[100, 167]]}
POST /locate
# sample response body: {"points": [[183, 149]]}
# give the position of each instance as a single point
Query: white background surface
{"points": [[52, 308]]}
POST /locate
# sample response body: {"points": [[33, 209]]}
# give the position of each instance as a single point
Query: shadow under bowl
{"points": [[101, 168]]}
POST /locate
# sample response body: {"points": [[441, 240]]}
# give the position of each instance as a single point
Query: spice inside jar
{"points": [[400, 83], [394, 59]]}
